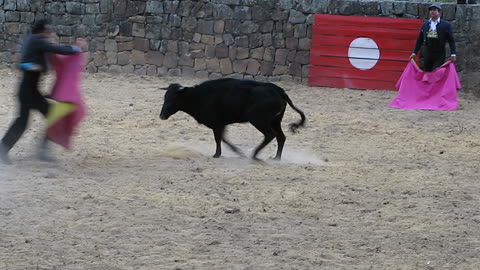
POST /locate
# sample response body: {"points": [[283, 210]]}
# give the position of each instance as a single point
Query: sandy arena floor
{"points": [[362, 186]]}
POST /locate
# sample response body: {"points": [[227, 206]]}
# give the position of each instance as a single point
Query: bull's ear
{"points": [[163, 88]]}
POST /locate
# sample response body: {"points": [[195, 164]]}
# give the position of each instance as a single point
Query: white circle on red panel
{"points": [[363, 53]]}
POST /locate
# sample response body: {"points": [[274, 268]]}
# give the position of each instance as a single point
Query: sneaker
{"points": [[4, 155]]}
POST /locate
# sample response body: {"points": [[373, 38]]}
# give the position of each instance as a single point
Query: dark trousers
{"points": [[433, 59], [30, 99]]}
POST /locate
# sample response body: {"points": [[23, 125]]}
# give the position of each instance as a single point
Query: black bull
{"points": [[218, 103]]}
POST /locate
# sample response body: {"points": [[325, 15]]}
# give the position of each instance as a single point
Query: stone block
{"points": [[99, 58], [302, 57], [23, 5], [129, 69], [189, 24], [115, 69], [174, 72], [111, 58], [151, 70], [170, 7], [172, 46], [140, 70], [240, 66], [198, 53], [300, 31], [12, 28], [12, 16], [75, 8], [138, 30], [138, 58], [241, 41], [123, 58], [281, 56], [248, 27], [279, 15], [162, 71], [295, 69], [226, 66], [218, 39], [209, 51], [213, 65], [304, 44], [92, 8], [257, 53], [296, 17], [170, 60], [267, 40], [242, 13], [255, 40], [89, 19], [154, 7], [200, 64], [214, 76], [197, 37], [201, 74], [279, 70], [266, 68], [253, 67], [243, 53], [111, 45], [186, 60], [269, 55], [188, 72], [219, 27], [204, 27], [221, 51], [278, 41], [222, 12], [155, 58], [125, 46], [10, 5], [208, 39], [291, 43], [266, 27]]}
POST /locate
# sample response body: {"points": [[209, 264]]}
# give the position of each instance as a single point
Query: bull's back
{"points": [[229, 101]]}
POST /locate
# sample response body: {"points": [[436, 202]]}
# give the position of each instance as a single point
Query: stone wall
{"points": [[259, 39]]}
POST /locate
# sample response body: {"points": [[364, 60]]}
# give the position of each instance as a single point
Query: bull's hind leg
{"points": [[277, 127], [269, 134]]}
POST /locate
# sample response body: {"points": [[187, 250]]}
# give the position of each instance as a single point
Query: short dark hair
{"points": [[40, 26]]}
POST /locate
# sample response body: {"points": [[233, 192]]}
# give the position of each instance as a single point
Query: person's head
{"points": [[42, 27], [434, 11]]}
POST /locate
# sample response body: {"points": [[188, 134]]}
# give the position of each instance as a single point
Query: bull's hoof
{"points": [[216, 156]]}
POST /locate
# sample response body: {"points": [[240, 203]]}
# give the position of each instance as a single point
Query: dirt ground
{"points": [[362, 186]]}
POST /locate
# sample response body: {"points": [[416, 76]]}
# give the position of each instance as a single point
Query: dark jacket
{"points": [[444, 31], [35, 49]]}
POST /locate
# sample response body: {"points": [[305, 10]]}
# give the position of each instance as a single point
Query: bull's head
{"points": [[172, 101]]}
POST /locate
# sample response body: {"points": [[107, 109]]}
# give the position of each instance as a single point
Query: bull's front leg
{"points": [[218, 133]]}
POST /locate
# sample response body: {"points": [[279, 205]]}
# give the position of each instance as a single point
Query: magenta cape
{"points": [[436, 90], [68, 70]]}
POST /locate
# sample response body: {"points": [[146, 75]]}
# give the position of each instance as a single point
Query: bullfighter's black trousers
{"points": [[30, 99], [433, 59]]}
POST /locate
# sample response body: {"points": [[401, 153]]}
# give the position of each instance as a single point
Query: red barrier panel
{"points": [[360, 52]]}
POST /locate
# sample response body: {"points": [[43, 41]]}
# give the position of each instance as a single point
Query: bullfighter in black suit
{"points": [[435, 33]]}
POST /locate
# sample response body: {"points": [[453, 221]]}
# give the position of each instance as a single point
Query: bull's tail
{"points": [[301, 123]]}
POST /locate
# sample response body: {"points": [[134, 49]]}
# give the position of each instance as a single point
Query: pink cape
{"points": [[436, 90], [68, 70]]}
